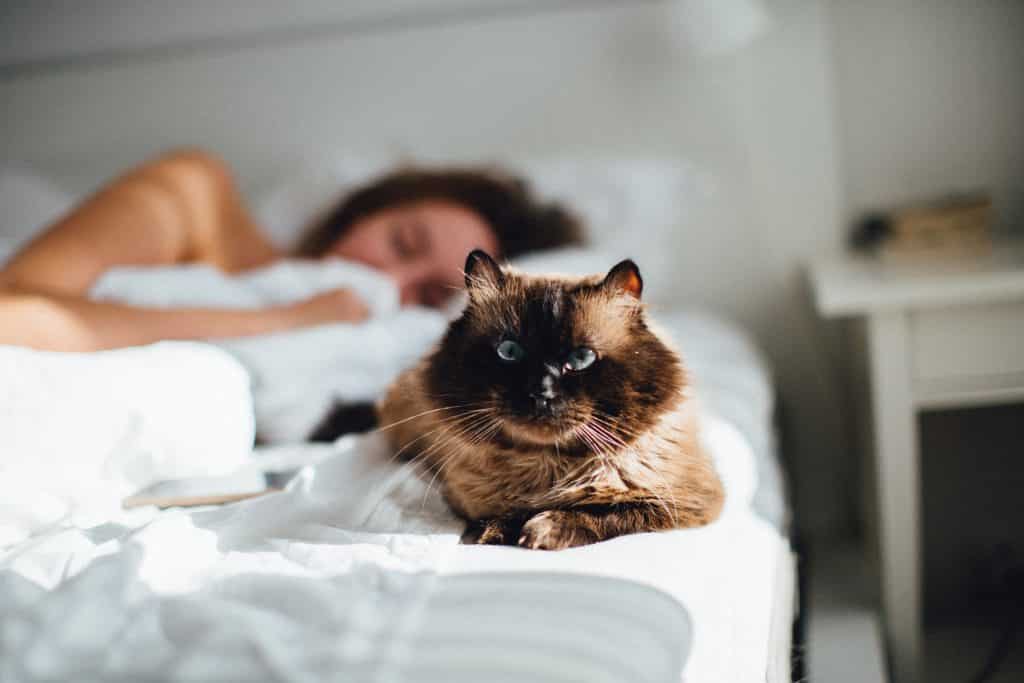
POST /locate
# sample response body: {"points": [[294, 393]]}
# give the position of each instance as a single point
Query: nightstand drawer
{"points": [[967, 341]]}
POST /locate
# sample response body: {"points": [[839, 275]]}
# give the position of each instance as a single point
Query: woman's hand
{"points": [[334, 306]]}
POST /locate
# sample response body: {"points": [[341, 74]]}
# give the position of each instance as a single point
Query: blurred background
{"points": [[797, 117]]}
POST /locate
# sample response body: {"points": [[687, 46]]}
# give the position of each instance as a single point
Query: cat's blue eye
{"points": [[580, 359], [510, 351]]}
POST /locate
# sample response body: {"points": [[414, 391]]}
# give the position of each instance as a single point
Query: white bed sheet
{"points": [[269, 588]]}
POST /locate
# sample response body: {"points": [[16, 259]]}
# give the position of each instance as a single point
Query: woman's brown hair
{"points": [[521, 222]]}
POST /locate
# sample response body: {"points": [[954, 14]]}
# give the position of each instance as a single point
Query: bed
{"points": [[354, 571]]}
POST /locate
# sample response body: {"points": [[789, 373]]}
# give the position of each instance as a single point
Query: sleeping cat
{"points": [[553, 415]]}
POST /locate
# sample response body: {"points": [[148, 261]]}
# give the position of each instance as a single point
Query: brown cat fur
{"points": [[614, 451]]}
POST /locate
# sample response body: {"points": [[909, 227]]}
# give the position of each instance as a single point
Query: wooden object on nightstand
{"points": [[939, 335], [955, 228]]}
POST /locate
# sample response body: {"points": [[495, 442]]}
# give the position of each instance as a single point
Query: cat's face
{"points": [[554, 360]]}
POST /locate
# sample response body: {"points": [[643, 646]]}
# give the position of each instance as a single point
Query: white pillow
{"points": [[631, 207]]}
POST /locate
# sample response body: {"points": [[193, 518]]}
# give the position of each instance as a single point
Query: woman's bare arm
{"points": [[182, 207], [69, 323]]}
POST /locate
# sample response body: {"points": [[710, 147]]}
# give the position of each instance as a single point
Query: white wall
{"points": [[610, 79], [45, 33], [930, 99]]}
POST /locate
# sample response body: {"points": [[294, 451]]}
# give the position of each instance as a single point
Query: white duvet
{"points": [[353, 573]]}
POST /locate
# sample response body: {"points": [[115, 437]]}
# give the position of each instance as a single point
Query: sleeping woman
{"points": [[414, 225]]}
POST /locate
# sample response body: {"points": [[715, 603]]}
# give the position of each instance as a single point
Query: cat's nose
{"points": [[542, 402], [546, 393]]}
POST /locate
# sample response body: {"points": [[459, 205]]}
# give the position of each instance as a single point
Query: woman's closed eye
{"points": [[410, 239]]}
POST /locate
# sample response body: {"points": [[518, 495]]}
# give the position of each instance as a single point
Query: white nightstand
{"points": [[938, 336]]}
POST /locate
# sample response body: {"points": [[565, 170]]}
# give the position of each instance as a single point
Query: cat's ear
{"points": [[482, 271], [625, 277]]}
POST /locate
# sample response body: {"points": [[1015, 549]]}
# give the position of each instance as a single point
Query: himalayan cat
{"points": [[553, 415]]}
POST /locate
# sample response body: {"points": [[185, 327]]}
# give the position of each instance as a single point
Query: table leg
{"points": [[898, 484]]}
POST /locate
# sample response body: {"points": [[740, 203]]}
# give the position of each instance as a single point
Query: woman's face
{"points": [[422, 246]]}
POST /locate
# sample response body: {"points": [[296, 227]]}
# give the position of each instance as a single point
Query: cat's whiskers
{"points": [[428, 412], [492, 429], [614, 425], [608, 436], [614, 444], [473, 435], [578, 479], [660, 497], [603, 437], [450, 435], [422, 460], [444, 423], [577, 432], [396, 454], [460, 431], [479, 434], [611, 419], [584, 435], [660, 488], [594, 442]]}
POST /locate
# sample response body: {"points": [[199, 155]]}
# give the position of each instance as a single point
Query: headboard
{"points": [[101, 84]]}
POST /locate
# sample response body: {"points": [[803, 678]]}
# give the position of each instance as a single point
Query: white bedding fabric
{"points": [[80, 431], [345, 572], [297, 375]]}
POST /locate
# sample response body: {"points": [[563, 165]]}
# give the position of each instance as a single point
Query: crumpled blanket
{"points": [[354, 573], [79, 431], [296, 375]]}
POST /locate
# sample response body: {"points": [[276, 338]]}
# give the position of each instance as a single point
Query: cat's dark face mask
{"points": [[546, 360]]}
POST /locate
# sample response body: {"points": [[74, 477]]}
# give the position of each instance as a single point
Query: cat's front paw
{"points": [[488, 532], [556, 530]]}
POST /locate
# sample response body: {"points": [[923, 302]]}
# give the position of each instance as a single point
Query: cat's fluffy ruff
{"points": [[621, 456]]}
